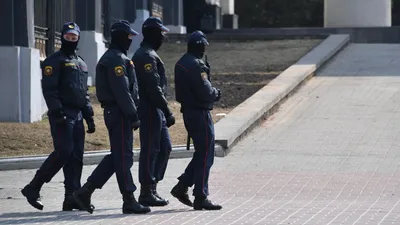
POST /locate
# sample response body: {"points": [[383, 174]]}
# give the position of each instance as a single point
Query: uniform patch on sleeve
{"points": [[69, 64], [119, 71], [204, 75], [148, 67], [48, 70]]}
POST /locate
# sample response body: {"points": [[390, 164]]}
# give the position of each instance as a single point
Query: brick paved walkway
{"points": [[331, 155]]}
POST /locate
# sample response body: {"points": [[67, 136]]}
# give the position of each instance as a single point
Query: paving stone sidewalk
{"points": [[330, 155]]}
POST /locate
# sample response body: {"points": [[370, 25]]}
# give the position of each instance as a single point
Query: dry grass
{"points": [[239, 69]]}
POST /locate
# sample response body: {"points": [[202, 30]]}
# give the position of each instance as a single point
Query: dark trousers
{"points": [[68, 141], [155, 145], [120, 160], [200, 127]]}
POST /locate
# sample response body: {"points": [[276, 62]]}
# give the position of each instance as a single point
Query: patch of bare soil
{"points": [[239, 69]]}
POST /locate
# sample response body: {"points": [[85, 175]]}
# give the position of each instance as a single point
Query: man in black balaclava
{"points": [[64, 86], [155, 115], [70, 40], [117, 91], [120, 40], [196, 45], [193, 90]]}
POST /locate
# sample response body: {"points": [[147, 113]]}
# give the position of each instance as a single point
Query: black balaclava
{"points": [[68, 47], [196, 49], [153, 36], [120, 39]]}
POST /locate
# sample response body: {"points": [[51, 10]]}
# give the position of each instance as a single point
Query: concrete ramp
{"points": [[365, 60]]}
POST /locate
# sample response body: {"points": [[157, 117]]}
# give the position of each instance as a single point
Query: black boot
{"points": [[31, 192], [180, 191], [155, 193], [70, 204], [83, 196], [201, 203], [147, 198], [131, 206]]}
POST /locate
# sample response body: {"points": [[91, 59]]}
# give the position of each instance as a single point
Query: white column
{"points": [[174, 10], [229, 18], [91, 48], [357, 13], [213, 2], [20, 85], [141, 16], [21, 96], [228, 6]]}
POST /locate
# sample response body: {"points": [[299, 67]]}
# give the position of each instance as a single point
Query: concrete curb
{"points": [[240, 120], [89, 158], [249, 113]]}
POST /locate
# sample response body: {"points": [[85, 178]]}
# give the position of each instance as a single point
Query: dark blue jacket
{"points": [[193, 88], [64, 83], [151, 77], [116, 82]]}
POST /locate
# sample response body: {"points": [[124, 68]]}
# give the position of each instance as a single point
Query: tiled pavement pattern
{"points": [[330, 155]]}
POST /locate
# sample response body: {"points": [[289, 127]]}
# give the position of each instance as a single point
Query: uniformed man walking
{"points": [[117, 92], [155, 116], [64, 86], [197, 96]]}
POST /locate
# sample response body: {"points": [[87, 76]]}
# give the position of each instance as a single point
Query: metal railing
{"points": [[57, 42], [157, 10], [50, 15], [41, 41]]}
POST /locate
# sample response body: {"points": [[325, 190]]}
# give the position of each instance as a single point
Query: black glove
{"points": [[170, 120], [218, 95], [59, 116], [136, 124], [135, 121], [91, 126], [169, 117]]}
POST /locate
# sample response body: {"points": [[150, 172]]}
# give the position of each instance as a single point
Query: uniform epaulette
{"points": [[200, 62]]}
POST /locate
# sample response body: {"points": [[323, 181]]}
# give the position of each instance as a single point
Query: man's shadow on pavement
{"points": [[52, 216]]}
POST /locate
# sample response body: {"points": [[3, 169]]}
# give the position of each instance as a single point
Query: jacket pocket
{"points": [[111, 115]]}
